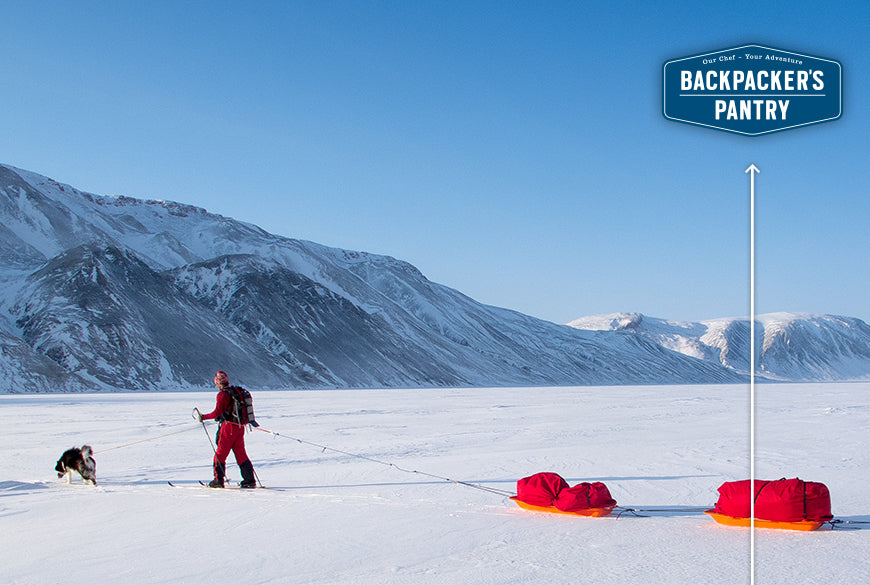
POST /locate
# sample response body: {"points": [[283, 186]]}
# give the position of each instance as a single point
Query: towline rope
{"points": [[835, 522], [145, 440], [634, 511], [478, 486]]}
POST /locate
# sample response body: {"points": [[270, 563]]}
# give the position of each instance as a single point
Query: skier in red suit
{"points": [[230, 436]]}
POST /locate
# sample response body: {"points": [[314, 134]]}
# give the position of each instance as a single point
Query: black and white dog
{"points": [[79, 460]]}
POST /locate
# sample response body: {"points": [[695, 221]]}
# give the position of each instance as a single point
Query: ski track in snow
{"points": [[344, 520]]}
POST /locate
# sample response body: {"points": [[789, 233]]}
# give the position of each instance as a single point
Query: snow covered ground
{"points": [[343, 520]]}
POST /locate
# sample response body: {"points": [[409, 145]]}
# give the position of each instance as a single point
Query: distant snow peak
{"points": [[791, 346], [609, 322]]}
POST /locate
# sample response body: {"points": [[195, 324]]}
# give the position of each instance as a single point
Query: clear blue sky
{"points": [[518, 154]]}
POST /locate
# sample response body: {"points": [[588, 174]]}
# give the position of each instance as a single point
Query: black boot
{"points": [[248, 478], [219, 473]]}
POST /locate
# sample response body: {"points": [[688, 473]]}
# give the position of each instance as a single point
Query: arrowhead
{"points": [[752, 168]]}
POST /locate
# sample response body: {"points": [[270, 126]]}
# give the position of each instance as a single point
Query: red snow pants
{"points": [[231, 437]]}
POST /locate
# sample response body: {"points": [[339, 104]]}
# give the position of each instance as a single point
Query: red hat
{"points": [[221, 379]]}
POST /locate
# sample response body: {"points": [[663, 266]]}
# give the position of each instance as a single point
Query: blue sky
{"points": [[515, 152]]}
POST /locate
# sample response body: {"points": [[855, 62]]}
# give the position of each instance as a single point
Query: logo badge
{"points": [[752, 90]]}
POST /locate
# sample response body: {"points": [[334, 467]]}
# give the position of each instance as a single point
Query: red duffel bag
{"points": [[540, 489], [583, 496], [781, 500]]}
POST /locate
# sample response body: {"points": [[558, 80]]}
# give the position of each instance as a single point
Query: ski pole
{"points": [[198, 416]]}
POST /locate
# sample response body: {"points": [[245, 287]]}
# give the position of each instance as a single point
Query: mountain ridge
{"points": [[795, 347], [127, 294]]}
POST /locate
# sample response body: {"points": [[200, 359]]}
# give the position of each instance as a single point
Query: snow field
{"points": [[342, 519], [817, 432]]}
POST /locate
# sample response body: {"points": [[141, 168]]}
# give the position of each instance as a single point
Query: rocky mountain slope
{"points": [[120, 293]]}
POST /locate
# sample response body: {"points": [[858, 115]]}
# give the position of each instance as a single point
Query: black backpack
{"points": [[241, 409]]}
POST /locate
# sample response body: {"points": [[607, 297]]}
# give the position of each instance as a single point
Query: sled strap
{"points": [[324, 448]]}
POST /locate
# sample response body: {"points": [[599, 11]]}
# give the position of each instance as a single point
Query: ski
{"points": [[204, 485], [187, 487], [238, 487]]}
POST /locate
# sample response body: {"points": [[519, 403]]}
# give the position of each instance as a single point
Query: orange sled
{"points": [[554, 510], [732, 521]]}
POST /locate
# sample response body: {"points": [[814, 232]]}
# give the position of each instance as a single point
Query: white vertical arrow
{"points": [[752, 170]]}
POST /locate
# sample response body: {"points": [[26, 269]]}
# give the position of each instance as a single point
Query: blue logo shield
{"points": [[752, 90]]}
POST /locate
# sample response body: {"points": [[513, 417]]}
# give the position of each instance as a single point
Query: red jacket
{"points": [[222, 404]]}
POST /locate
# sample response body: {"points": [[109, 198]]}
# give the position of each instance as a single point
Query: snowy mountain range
{"points": [[789, 346], [106, 293]]}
